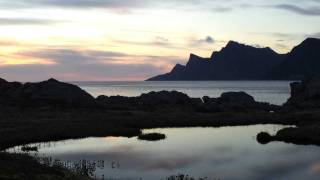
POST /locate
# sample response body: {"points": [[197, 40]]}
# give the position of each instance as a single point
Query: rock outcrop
{"points": [[307, 134], [164, 98], [305, 94], [173, 100], [149, 101], [236, 101], [50, 92]]}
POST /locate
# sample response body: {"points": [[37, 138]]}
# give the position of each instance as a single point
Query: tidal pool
{"points": [[216, 153]]}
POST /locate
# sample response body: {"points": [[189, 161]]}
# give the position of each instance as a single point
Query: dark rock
{"points": [[9, 92], [308, 134], [152, 136], [164, 98], [305, 94], [238, 98], [196, 101], [118, 102], [2, 81], [264, 138], [51, 92], [235, 101]]}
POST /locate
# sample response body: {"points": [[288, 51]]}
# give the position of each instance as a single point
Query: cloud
{"points": [[257, 45], [74, 72], [27, 21], [312, 11], [215, 6], [122, 5], [71, 3], [157, 41], [63, 56], [315, 35], [203, 41], [73, 64], [220, 9], [209, 40]]}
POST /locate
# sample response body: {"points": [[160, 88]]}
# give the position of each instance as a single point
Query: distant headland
{"points": [[238, 61]]}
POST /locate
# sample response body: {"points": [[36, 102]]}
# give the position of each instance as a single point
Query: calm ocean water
{"points": [[276, 92]]}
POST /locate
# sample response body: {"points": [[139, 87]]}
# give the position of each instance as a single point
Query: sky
{"points": [[132, 40]]}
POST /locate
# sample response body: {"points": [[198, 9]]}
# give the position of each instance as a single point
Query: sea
{"points": [[274, 92]]}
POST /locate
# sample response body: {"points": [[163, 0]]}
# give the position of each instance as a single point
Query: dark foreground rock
{"points": [[305, 97], [236, 102], [303, 135], [176, 101], [152, 136], [264, 138], [305, 94], [50, 92]]}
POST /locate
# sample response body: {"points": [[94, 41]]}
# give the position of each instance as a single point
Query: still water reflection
{"points": [[225, 153]]}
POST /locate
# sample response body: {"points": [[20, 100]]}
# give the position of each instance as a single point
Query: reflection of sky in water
{"points": [[276, 92], [226, 153]]}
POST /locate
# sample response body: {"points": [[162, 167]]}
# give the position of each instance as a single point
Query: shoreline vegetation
{"points": [[52, 111]]}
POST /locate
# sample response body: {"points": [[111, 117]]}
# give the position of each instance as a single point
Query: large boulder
{"points": [[236, 98], [50, 92], [150, 101], [235, 101], [55, 92], [165, 99], [305, 94]]}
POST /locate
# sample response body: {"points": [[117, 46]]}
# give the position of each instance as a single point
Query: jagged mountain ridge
{"points": [[237, 61]]}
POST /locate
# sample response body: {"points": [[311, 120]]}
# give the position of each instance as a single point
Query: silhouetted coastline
{"points": [[52, 110]]}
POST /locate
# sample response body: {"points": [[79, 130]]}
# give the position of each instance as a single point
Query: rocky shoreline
{"points": [[52, 111], [56, 104]]}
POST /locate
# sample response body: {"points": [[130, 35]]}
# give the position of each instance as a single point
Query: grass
{"points": [[29, 148], [24, 167]]}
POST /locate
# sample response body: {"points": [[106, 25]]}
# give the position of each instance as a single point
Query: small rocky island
{"points": [[53, 110]]}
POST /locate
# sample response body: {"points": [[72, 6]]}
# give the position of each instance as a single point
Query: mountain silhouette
{"points": [[303, 60], [238, 61]]}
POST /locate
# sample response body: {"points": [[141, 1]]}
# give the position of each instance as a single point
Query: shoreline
{"points": [[52, 111], [40, 125]]}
